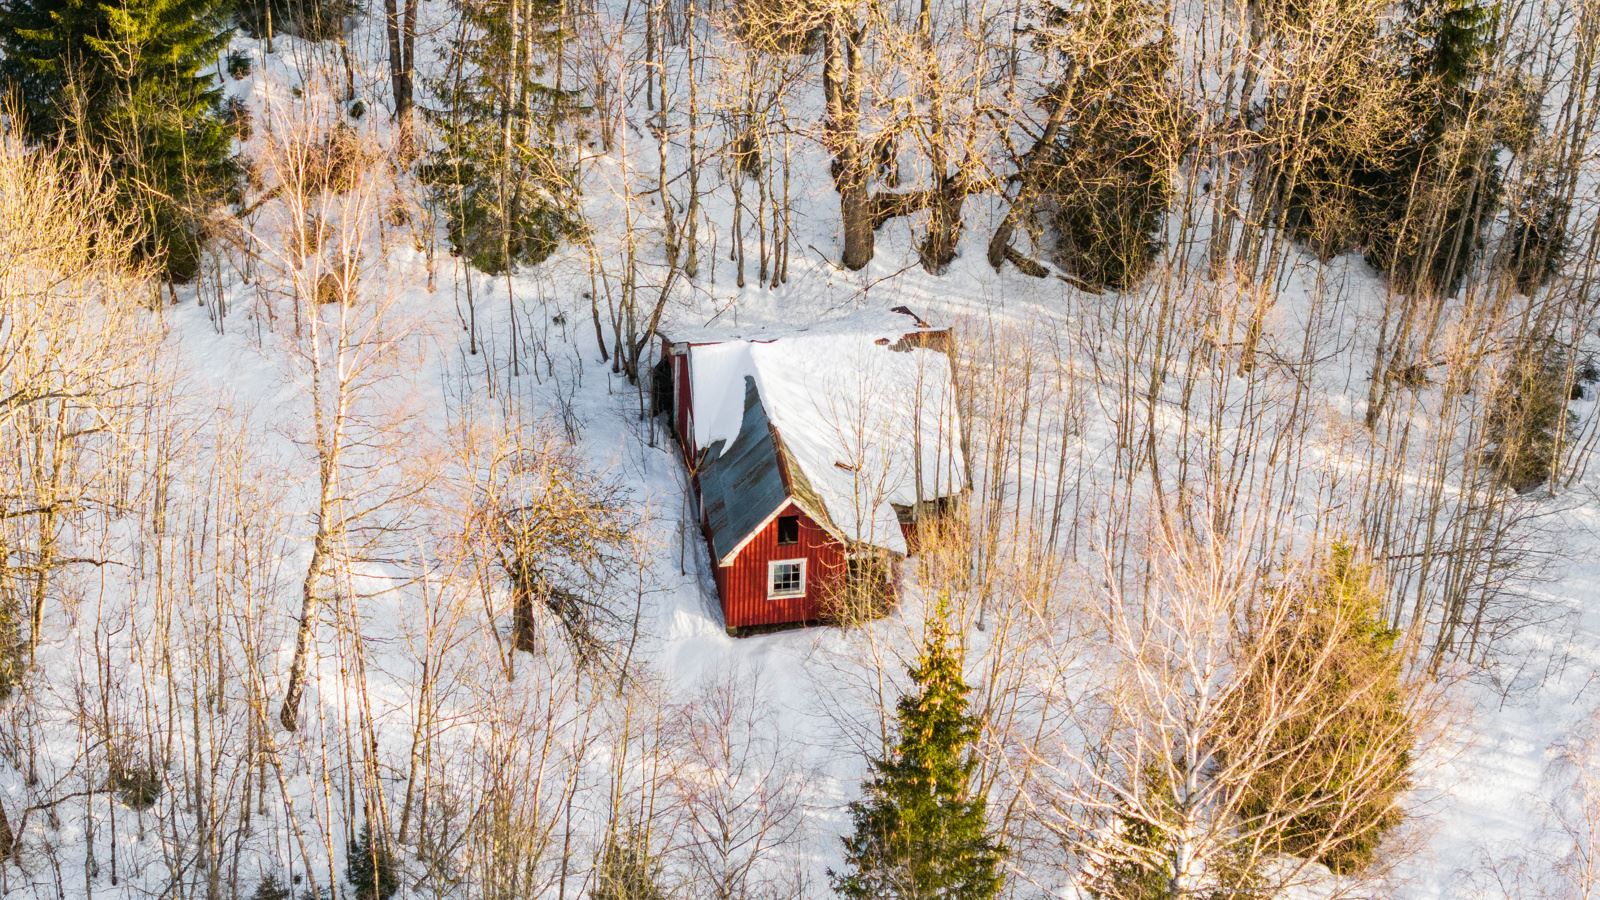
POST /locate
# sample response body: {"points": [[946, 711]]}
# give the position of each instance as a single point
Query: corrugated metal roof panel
{"points": [[741, 486]]}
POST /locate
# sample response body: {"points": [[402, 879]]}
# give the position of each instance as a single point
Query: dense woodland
{"points": [[341, 554]]}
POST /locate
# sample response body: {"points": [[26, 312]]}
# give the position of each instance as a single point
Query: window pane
{"points": [[787, 578]]}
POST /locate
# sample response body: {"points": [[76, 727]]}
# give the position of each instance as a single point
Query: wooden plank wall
{"points": [[743, 584]]}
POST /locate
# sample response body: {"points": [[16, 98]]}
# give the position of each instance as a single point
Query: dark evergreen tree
{"points": [[920, 829], [1135, 863], [1444, 189], [1452, 41], [506, 183], [1333, 138], [370, 866], [312, 20], [627, 870], [1528, 420], [136, 83], [1104, 177], [271, 888], [1413, 185], [1536, 243]]}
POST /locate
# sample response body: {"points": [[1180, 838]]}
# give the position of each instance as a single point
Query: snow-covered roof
{"points": [[863, 420]]}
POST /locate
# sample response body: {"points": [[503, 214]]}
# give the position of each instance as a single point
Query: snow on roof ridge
{"points": [[895, 322], [867, 424]]}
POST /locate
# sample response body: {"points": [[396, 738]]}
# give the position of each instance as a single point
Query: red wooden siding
{"points": [[681, 397], [743, 583]]}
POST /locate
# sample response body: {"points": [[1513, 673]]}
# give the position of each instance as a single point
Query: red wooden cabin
{"points": [[813, 456]]}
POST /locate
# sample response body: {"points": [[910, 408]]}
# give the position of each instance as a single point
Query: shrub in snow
{"points": [[335, 161], [370, 866], [1528, 420], [1325, 713], [920, 831], [627, 870], [136, 784]]}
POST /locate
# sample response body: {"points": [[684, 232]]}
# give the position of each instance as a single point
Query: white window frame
{"points": [[772, 579]]}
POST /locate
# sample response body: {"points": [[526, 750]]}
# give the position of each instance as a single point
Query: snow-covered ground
{"points": [[1498, 801]]}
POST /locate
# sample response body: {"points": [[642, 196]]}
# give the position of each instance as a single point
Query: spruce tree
{"points": [[1334, 138], [1536, 242], [1106, 176], [1529, 421], [920, 829], [270, 887], [135, 82], [627, 870], [1337, 755], [1452, 43], [370, 866], [312, 20], [1135, 863], [1448, 184], [507, 185]]}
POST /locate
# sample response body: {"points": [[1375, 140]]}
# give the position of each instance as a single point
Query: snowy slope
{"points": [[1497, 800]]}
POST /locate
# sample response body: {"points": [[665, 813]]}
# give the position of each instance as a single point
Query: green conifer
{"points": [[1447, 185], [1107, 177], [920, 829], [370, 866], [136, 82], [1529, 422], [1338, 759], [627, 870], [507, 185]]}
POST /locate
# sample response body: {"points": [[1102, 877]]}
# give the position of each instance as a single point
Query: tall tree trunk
{"points": [[289, 713], [401, 27], [841, 77], [938, 249], [1000, 248]]}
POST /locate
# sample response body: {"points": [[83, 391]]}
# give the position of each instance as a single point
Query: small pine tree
{"points": [[13, 661], [920, 829], [1134, 864], [370, 866], [507, 185], [270, 887], [627, 871], [1536, 242], [1451, 44], [135, 82], [1337, 758], [1528, 418]]}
